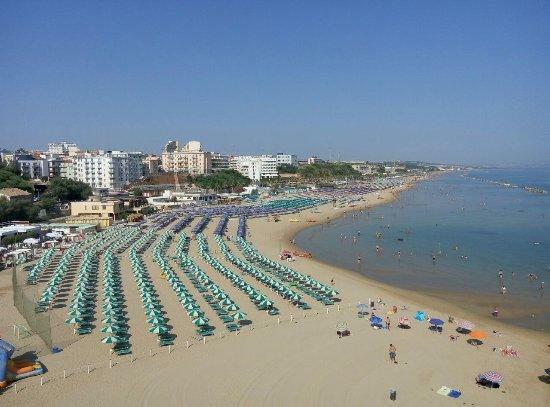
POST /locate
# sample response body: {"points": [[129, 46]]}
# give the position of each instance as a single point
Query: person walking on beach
{"points": [[393, 353], [388, 322]]}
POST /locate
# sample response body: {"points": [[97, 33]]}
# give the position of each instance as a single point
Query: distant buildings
{"points": [[288, 159], [189, 159], [255, 167], [31, 167], [110, 170], [62, 148], [219, 162], [95, 212], [151, 165], [314, 160]]}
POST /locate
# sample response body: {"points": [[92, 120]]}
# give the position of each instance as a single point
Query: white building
{"points": [[112, 170], [289, 159], [32, 168], [188, 159], [62, 148], [255, 167]]}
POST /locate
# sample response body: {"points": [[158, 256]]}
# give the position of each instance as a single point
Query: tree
{"points": [[137, 191], [287, 169], [66, 190], [225, 180], [17, 210], [328, 171], [9, 178]]}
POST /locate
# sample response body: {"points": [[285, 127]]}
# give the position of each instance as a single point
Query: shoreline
{"points": [[424, 299]]}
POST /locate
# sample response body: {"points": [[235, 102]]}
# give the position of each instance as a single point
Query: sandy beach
{"points": [[294, 359]]}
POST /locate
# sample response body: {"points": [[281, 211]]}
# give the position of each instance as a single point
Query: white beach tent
{"points": [[31, 241]]}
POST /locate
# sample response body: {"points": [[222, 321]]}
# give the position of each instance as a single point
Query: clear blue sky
{"points": [[454, 81]]}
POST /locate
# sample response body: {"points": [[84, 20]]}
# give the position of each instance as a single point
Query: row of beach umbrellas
{"points": [[305, 283], [260, 300], [259, 275]]}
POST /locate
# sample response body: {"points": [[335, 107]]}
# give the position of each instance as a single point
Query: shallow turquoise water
{"points": [[473, 228]]}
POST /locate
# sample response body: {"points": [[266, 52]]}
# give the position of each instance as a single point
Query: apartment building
{"points": [[255, 167], [111, 170], [289, 159], [188, 159]]}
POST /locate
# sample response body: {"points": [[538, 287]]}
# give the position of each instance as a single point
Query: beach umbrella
{"points": [[420, 316], [436, 322], [158, 329], [73, 320], [156, 320], [108, 329], [491, 377], [374, 320], [231, 307], [362, 308], [109, 339], [478, 335], [200, 321], [465, 325], [239, 316], [404, 321], [111, 319], [195, 314]]}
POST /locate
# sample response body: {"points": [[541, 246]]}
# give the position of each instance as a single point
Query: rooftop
{"points": [[13, 192]]}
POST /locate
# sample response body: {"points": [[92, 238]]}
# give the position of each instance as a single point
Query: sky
{"points": [[438, 81]]}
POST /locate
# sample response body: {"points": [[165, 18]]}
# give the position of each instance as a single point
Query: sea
{"points": [[451, 236]]}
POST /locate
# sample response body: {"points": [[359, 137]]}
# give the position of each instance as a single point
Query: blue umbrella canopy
{"points": [[436, 321], [375, 320]]}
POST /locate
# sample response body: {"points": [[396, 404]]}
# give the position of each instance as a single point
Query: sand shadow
{"points": [[544, 379]]}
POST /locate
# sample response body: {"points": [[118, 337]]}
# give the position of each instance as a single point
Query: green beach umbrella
{"points": [[200, 321], [159, 329], [109, 339], [239, 316]]}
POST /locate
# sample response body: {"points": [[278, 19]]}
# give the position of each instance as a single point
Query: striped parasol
{"points": [[491, 376], [466, 325], [404, 321]]}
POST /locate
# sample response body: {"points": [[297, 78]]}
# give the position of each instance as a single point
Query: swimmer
{"points": [[359, 259]]}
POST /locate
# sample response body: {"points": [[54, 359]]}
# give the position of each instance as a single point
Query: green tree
{"points": [[66, 190], [225, 180], [287, 169], [137, 191], [9, 178], [17, 210]]}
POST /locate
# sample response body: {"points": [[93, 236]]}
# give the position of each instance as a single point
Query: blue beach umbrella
{"points": [[374, 320], [436, 322]]}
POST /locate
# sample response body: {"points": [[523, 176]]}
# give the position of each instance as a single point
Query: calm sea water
{"points": [[473, 228]]}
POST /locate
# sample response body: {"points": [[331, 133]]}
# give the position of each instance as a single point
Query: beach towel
{"points": [[454, 394], [445, 391]]}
